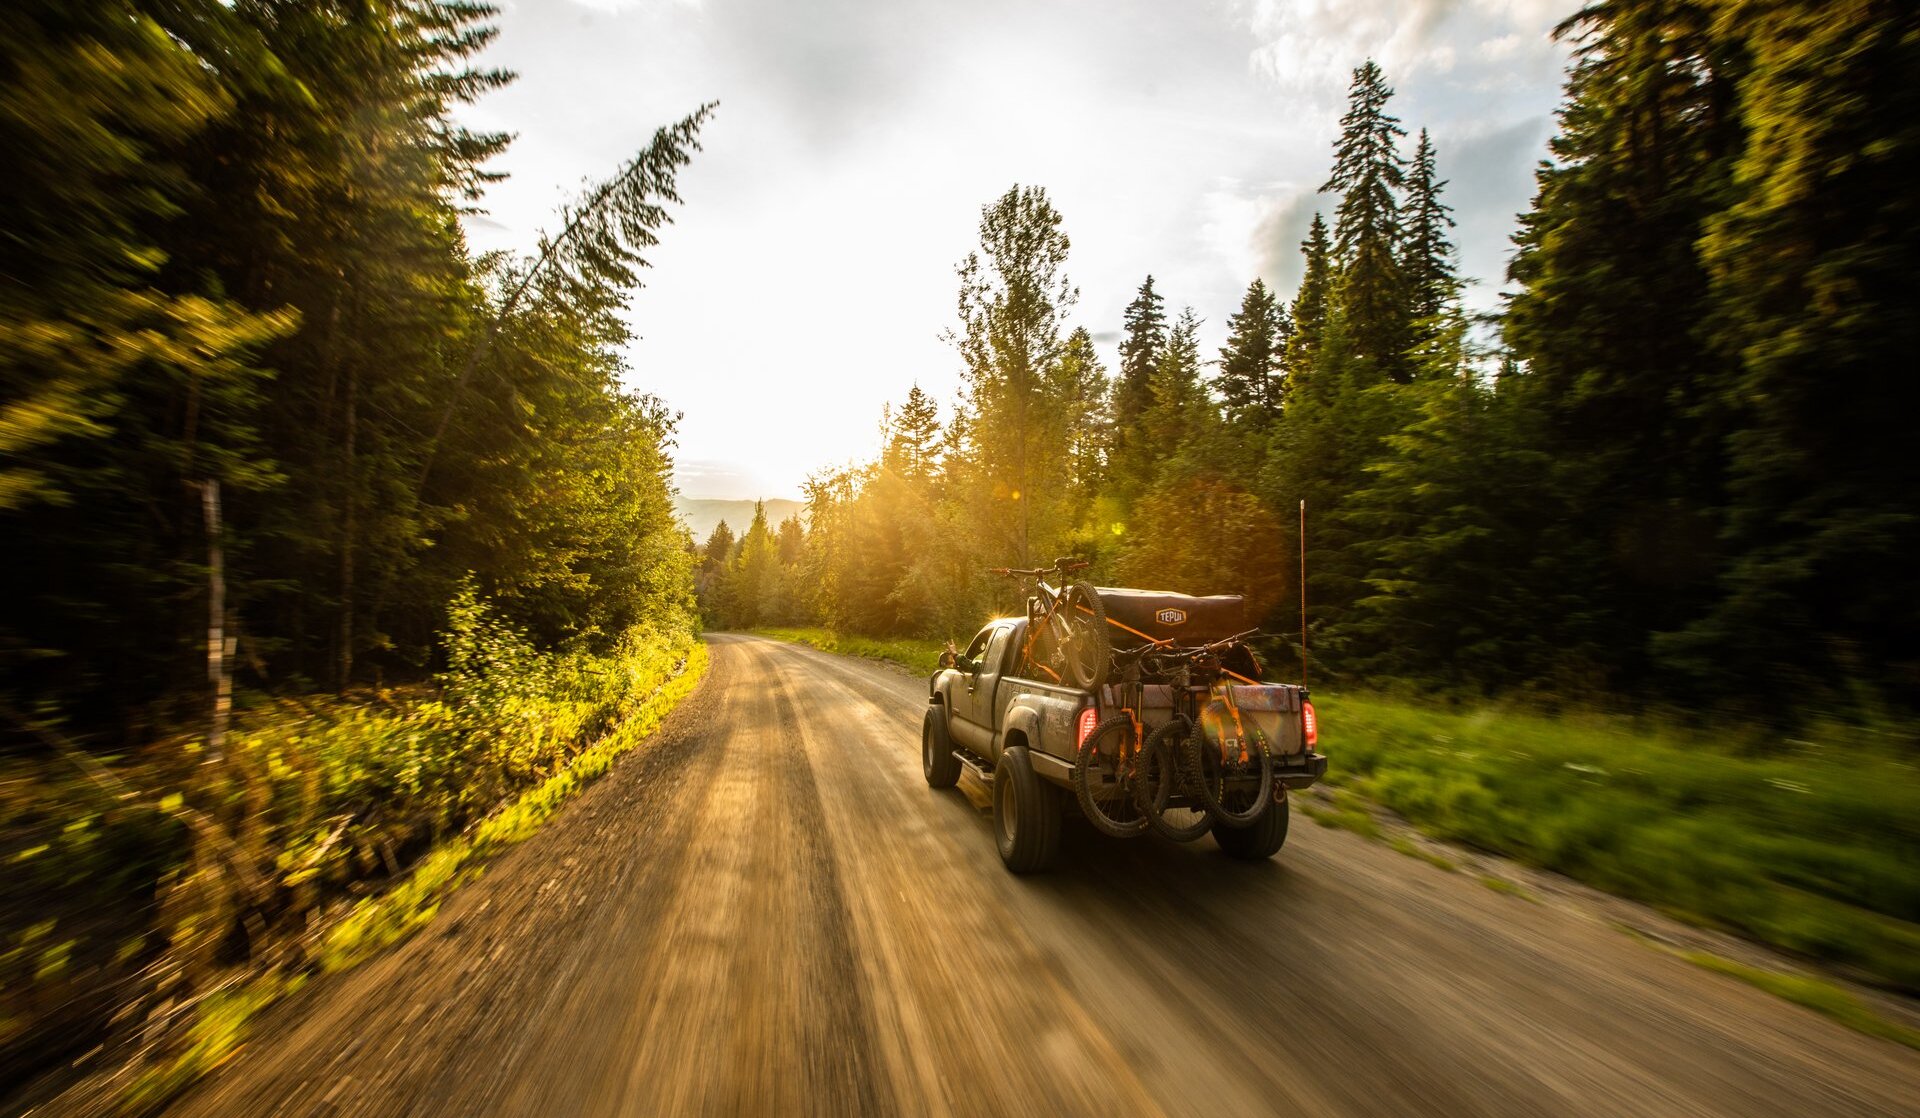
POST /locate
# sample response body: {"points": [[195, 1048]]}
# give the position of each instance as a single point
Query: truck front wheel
{"points": [[937, 761], [1026, 814], [1262, 838]]}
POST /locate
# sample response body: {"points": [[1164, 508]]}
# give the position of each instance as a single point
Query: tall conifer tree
{"points": [[1427, 262], [1608, 320], [1370, 295], [1145, 336], [1252, 363], [1811, 271], [1310, 306]]}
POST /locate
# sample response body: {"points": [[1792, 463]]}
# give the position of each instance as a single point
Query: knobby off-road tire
{"points": [[1263, 839], [1087, 654], [1026, 814], [1204, 780], [1159, 777], [1103, 752], [937, 762]]}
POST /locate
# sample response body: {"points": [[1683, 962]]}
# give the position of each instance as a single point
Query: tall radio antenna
{"points": [[1303, 593]]}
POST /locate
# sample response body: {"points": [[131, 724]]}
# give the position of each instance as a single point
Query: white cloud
{"points": [[1309, 48], [1504, 46]]}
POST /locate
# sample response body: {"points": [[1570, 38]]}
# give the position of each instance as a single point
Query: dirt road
{"points": [[766, 911]]}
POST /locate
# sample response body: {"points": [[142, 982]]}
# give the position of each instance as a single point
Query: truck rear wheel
{"points": [[1261, 839], [937, 761], [1026, 814]]}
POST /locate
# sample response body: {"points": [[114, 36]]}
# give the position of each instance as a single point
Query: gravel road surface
{"points": [[764, 910]]}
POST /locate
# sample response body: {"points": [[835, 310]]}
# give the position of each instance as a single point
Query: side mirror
{"points": [[948, 658]]}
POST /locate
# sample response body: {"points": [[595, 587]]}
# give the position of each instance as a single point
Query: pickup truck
{"points": [[1020, 737]]}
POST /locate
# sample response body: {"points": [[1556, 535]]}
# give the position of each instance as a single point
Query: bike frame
{"points": [[1052, 603]]}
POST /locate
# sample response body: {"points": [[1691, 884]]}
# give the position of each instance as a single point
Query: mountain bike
{"points": [[1109, 754], [1066, 627], [1216, 749]]}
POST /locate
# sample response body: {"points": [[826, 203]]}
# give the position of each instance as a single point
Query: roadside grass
{"points": [[1810, 844], [1813, 993], [921, 657], [1343, 810], [219, 1025], [1404, 845], [1507, 888]]}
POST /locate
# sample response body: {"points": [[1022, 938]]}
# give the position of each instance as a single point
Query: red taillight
{"points": [[1089, 718], [1312, 722]]}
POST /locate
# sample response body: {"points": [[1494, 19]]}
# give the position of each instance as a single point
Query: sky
{"points": [[809, 274]]}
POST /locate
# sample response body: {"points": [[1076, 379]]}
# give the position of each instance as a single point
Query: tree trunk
{"points": [[218, 677], [344, 668]]}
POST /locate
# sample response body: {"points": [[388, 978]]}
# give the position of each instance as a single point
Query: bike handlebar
{"points": [[1192, 652], [1061, 565]]}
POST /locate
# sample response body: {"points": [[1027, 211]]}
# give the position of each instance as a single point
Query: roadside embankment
{"points": [[1808, 843]]}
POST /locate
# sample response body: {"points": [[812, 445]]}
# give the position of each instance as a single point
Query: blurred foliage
{"points": [[234, 254], [106, 902]]}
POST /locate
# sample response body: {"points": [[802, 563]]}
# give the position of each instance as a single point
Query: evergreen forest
{"points": [[1668, 470], [328, 536]]}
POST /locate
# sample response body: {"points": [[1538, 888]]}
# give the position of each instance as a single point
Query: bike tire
{"points": [[1211, 789], [1159, 772], [1087, 654], [1090, 755]]}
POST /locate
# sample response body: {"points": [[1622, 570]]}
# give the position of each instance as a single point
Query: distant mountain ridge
{"points": [[702, 514]]}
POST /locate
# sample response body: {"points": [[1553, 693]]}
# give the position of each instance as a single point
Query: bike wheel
{"points": [[1086, 652], [1159, 779], [1107, 759], [1207, 774]]}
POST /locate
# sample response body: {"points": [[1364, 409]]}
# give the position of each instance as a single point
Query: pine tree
{"points": [[1810, 272], [913, 438], [792, 540], [1427, 259], [1086, 417], [1370, 295], [119, 392], [1144, 327], [1310, 307], [1608, 322], [713, 578], [1172, 419], [239, 259], [1252, 373], [756, 574], [1442, 526]]}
